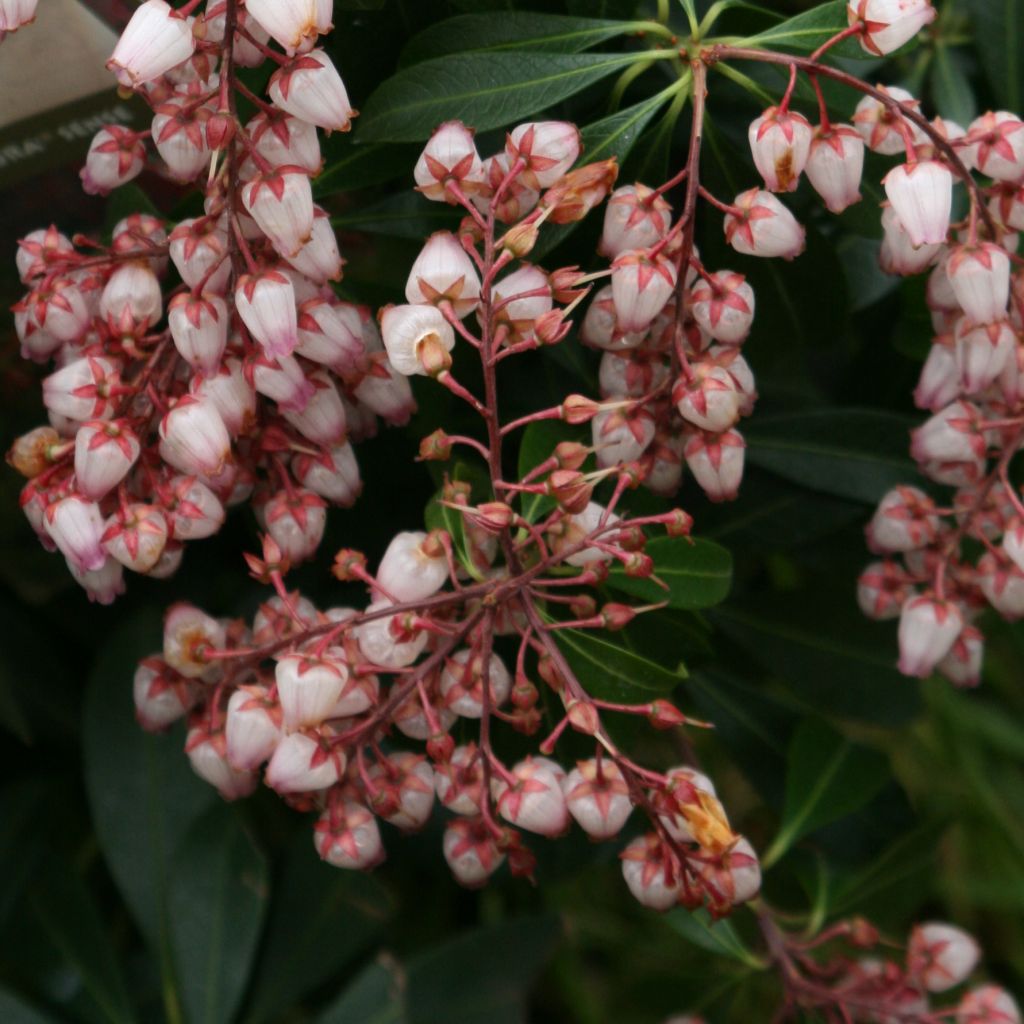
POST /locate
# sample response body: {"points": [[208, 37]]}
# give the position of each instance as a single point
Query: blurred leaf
{"points": [[124, 201], [484, 90], [719, 937], [998, 25], [359, 5], [482, 977], [24, 834], [356, 166], [71, 922], [807, 31], [865, 279], [698, 574], [829, 778], [375, 997], [406, 214], [850, 453], [13, 1010], [142, 792], [441, 516], [320, 919], [516, 30], [951, 89], [218, 895]]}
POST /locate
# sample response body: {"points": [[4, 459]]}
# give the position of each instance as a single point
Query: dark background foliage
{"points": [[131, 893]]}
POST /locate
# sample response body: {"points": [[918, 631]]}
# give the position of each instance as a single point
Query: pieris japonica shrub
{"points": [[484, 677]]}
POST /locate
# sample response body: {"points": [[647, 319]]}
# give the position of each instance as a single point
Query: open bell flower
{"points": [[928, 628], [444, 272], [266, 303], [311, 89], [155, 40], [641, 285], [835, 165], [761, 226], [921, 193], [16, 13], [292, 23], [194, 437], [75, 525], [780, 142], [887, 24], [281, 203], [418, 339]]}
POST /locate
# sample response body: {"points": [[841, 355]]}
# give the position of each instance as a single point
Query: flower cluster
{"points": [[239, 378]]}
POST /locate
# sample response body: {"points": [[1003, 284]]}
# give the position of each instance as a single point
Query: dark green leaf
{"points": [[849, 453], [616, 134], [358, 166], [698, 575], [951, 88], [829, 778], [484, 90], [218, 896], [375, 997], [403, 215], [719, 937], [538, 443], [516, 30], [997, 35], [806, 32], [13, 1010], [483, 977]]}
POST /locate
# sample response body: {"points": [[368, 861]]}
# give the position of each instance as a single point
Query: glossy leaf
{"points": [[719, 937], [951, 87], [698, 574], [375, 997], [357, 166], [484, 90], [14, 1010], [218, 896], [829, 778], [807, 31], [998, 25]]}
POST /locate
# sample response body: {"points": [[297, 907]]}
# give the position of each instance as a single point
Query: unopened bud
{"points": [[440, 748], [436, 447], [583, 717], [617, 616], [551, 327], [678, 523], [32, 452], [570, 454], [863, 933], [349, 565], [548, 671], [638, 564], [570, 489], [580, 191], [220, 130], [525, 720], [524, 693], [663, 715], [565, 284], [578, 409], [521, 239], [583, 606], [493, 516], [631, 539]]}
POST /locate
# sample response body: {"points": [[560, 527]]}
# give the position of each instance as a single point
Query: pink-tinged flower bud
{"points": [[631, 374], [1006, 207], [735, 877], [940, 955], [547, 149], [835, 165], [115, 156], [207, 753], [962, 666], [600, 327], [333, 474], [621, 435], [136, 536], [382, 391], [180, 139], [449, 159], [193, 437], [281, 380], [651, 872], [84, 389], [906, 519], [379, 640], [266, 303], [710, 400], [459, 781], [281, 203], [882, 130], [304, 762], [188, 634], [1013, 542], [982, 352], [517, 198], [104, 453], [330, 334], [716, 462], [640, 288], [521, 298], [58, 308], [132, 300], [596, 795], [311, 89], [309, 686], [534, 801], [951, 435], [76, 526], [292, 23], [230, 393], [980, 278], [155, 40], [1002, 583], [780, 142], [199, 251], [199, 329], [319, 259], [927, 631], [636, 217], [103, 585], [580, 526], [996, 146], [283, 140], [417, 338], [693, 790], [898, 254], [39, 250], [296, 520], [939, 383], [322, 419], [762, 226], [414, 567], [723, 305], [462, 686], [444, 272], [346, 835], [252, 727], [921, 193], [405, 790], [882, 589], [471, 851], [988, 1005], [16, 13], [161, 695], [411, 719], [887, 24]]}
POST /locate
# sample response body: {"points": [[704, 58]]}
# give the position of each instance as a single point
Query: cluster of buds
{"points": [[240, 377], [460, 630]]}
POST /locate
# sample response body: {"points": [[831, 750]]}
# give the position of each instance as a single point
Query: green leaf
{"points": [[807, 31], [14, 1010], [441, 516], [849, 453], [998, 25], [718, 937], [616, 134], [829, 778], [698, 574], [375, 997], [320, 919], [403, 215], [143, 794], [538, 443], [951, 88], [218, 893], [356, 166], [609, 670], [484, 90], [482, 977], [516, 30]]}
